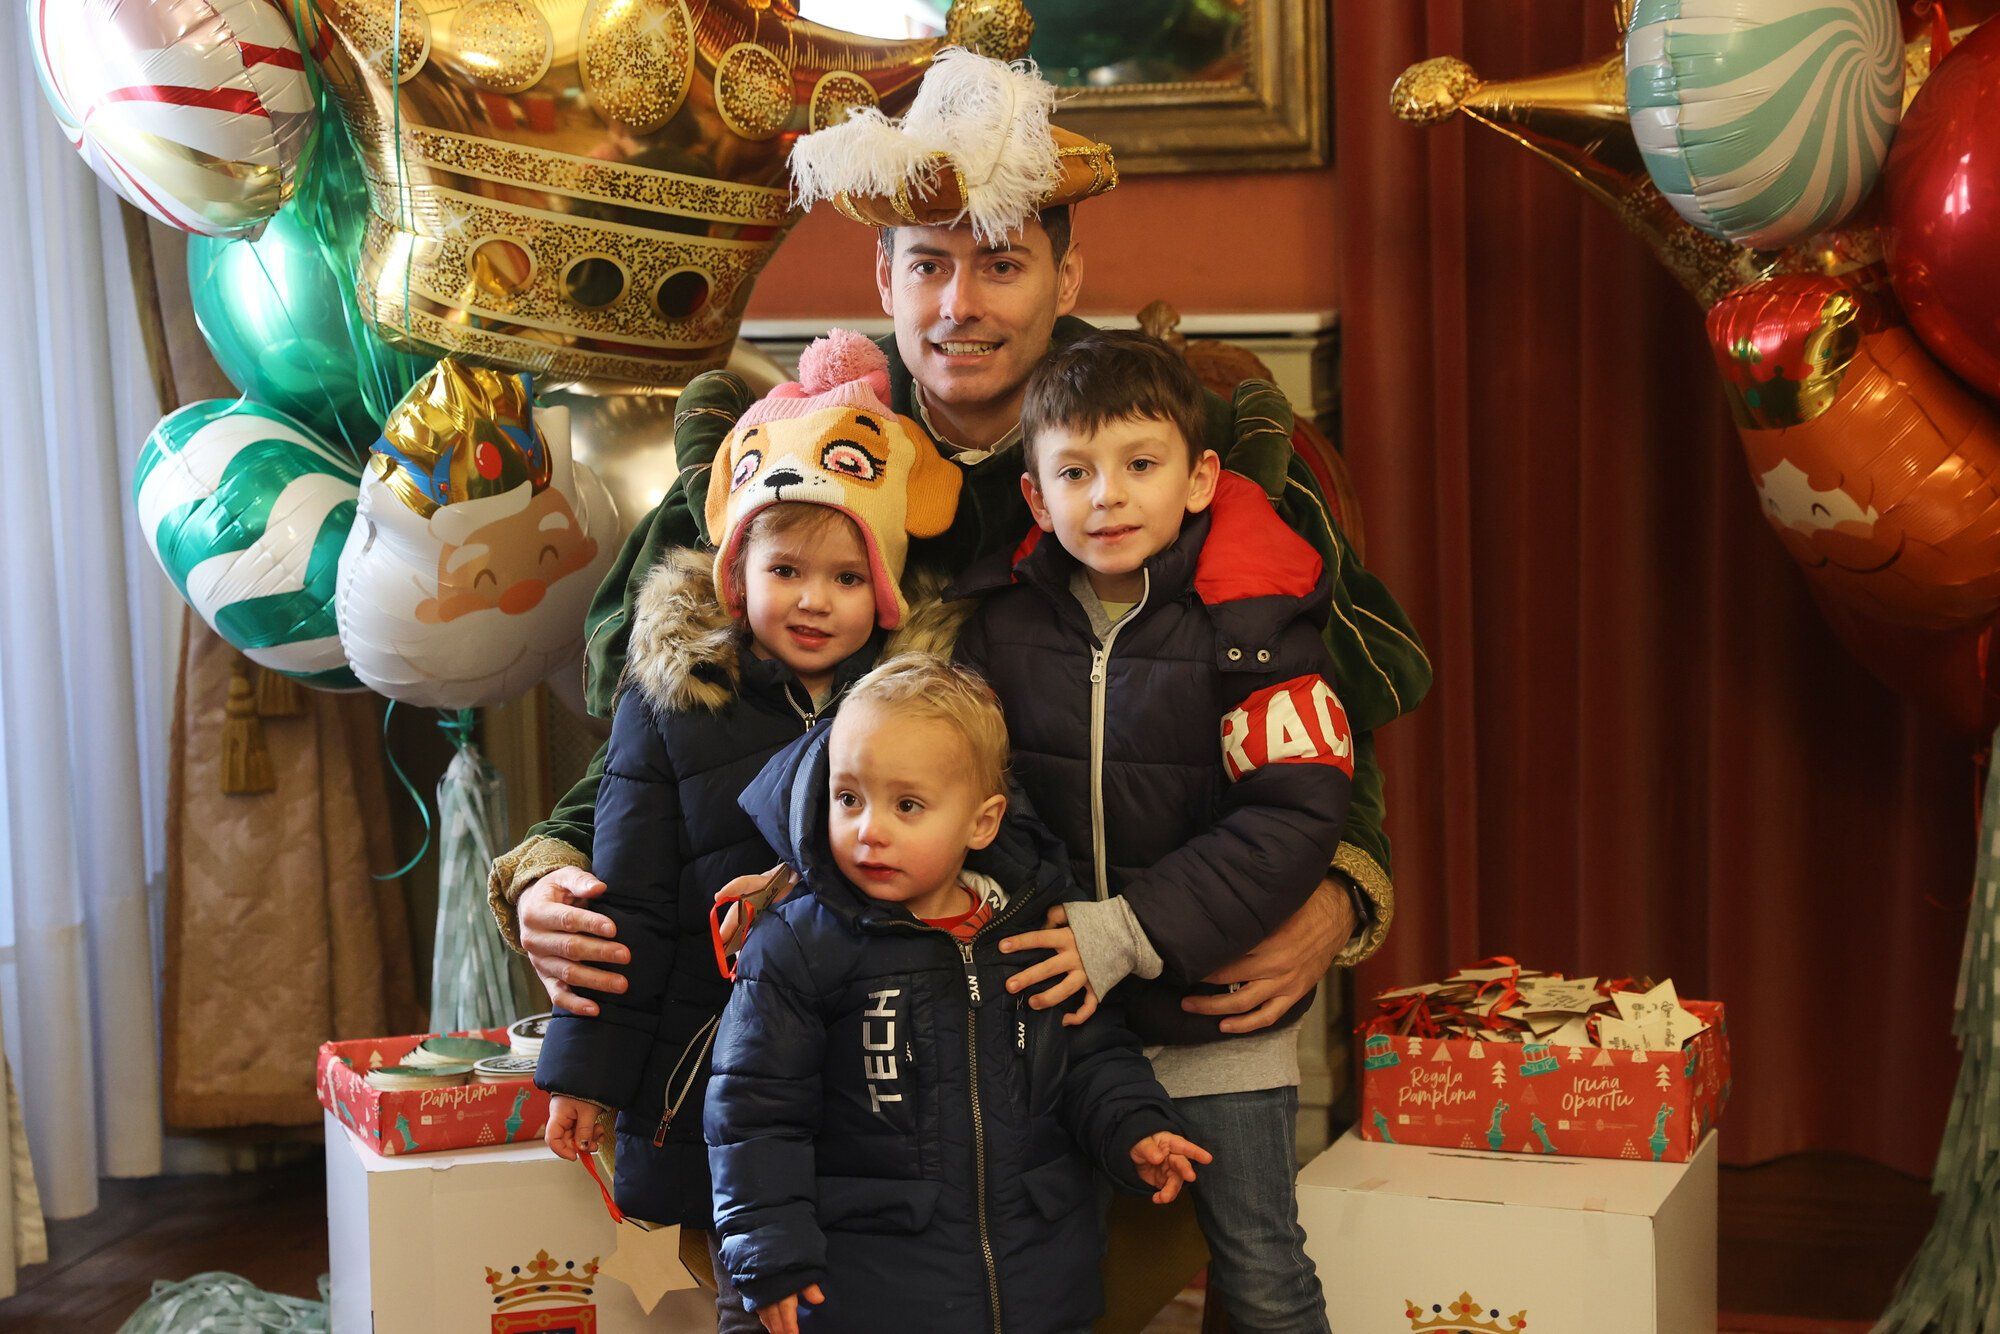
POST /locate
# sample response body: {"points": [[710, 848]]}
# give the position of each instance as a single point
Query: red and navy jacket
{"points": [[1202, 769]]}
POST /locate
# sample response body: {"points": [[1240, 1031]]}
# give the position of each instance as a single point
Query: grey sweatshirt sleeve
{"points": [[1111, 943]]}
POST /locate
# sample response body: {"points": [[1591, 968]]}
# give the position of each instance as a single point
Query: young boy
{"points": [[894, 1137], [1174, 719], [733, 658]]}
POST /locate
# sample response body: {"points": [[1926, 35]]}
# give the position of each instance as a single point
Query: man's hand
{"points": [[783, 1317], [1065, 965], [1165, 1162], [575, 1126], [1286, 966], [562, 939]]}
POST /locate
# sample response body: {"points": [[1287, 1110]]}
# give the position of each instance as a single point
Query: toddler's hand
{"points": [[783, 1317], [1065, 964], [1164, 1160], [575, 1126], [751, 887]]}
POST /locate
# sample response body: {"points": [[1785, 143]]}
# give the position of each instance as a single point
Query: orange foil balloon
{"points": [[1878, 471]]}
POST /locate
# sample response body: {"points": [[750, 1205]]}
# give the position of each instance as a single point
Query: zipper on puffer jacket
{"points": [[973, 1001], [1099, 688], [697, 1047]]}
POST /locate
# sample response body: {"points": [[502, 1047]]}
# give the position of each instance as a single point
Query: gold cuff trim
{"points": [[515, 870], [1374, 882]]}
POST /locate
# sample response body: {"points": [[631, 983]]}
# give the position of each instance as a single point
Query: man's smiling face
{"points": [[972, 320]]}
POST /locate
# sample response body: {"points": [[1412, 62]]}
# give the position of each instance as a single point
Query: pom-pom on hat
{"points": [[829, 438]]}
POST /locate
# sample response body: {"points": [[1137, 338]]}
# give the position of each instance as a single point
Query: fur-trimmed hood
{"points": [[686, 651]]}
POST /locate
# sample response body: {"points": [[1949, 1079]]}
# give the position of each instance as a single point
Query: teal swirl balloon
{"points": [[1764, 121], [247, 512]]}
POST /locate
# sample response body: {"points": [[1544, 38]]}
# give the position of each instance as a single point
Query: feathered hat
{"points": [[976, 146]]}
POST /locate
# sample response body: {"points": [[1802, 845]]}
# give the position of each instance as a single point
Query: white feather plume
{"points": [[867, 154], [989, 118]]}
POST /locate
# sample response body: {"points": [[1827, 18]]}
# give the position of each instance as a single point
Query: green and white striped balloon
{"points": [[1764, 121], [247, 512]]}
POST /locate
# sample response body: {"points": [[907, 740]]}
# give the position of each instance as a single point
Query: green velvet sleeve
{"points": [[574, 819]]}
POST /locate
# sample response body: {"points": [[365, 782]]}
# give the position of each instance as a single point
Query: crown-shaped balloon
{"points": [[1464, 1316], [461, 433], [587, 189]]}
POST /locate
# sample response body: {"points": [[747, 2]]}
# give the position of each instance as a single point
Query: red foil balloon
{"points": [[1880, 473], [1941, 219]]}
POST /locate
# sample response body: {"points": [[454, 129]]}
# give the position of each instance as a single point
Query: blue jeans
{"points": [[1248, 1205]]}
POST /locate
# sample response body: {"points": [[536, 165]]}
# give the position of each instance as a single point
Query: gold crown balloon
{"points": [[587, 189], [461, 433]]}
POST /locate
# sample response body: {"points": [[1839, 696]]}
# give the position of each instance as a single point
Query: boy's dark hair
{"points": [[1111, 375], [1055, 221]]}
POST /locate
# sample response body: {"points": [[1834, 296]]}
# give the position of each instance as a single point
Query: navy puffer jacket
{"points": [[698, 718], [887, 1122], [1197, 761]]}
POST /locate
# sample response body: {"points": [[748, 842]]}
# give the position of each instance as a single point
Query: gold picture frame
{"points": [[1275, 116]]}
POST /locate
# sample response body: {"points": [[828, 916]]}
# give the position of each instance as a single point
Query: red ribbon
{"points": [[723, 963], [1940, 28], [589, 1161]]}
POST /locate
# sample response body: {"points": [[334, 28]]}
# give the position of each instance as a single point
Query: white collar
{"points": [[958, 454]]}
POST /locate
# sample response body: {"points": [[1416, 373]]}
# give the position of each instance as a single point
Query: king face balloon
{"points": [[197, 111], [1764, 121], [476, 548], [247, 511]]}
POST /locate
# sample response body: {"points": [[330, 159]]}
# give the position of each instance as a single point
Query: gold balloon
{"points": [[587, 189], [627, 437]]}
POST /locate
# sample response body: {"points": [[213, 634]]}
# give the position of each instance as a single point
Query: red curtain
{"points": [[1644, 753]]}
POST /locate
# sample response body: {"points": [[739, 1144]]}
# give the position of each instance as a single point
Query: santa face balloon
{"points": [[1878, 472], [476, 548]]}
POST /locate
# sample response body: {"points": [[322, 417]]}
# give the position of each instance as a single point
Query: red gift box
{"points": [[1534, 1097], [402, 1121]]}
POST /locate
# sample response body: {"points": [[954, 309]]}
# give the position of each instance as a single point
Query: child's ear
{"points": [[933, 491], [986, 824], [1033, 494], [1207, 475]]}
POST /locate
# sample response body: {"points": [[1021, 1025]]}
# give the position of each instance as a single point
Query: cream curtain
{"points": [[84, 623]]}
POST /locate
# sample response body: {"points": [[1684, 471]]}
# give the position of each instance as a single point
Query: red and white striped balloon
{"points": [[197, 111]]}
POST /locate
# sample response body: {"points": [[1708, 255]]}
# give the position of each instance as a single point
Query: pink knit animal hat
{"points": [[879, 469]]}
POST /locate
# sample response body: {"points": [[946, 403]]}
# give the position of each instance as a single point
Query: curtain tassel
{"points": [[278, 695], [246, 760]]}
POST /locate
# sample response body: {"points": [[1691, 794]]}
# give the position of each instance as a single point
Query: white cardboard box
{"points": [[1575, 1245], [412, 1240]]}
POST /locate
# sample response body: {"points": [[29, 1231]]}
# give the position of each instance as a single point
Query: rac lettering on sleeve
{"points": [[1299, 721]]}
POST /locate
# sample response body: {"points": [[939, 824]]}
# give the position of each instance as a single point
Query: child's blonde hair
{"points": [[805, 520], [924, 685]]}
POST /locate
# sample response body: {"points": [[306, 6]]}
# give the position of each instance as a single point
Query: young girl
{"points": [[732, 658]]}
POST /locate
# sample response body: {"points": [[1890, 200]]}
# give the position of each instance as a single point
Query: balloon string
{"points": [[402, 176], [423, 808], [458, 726]]}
